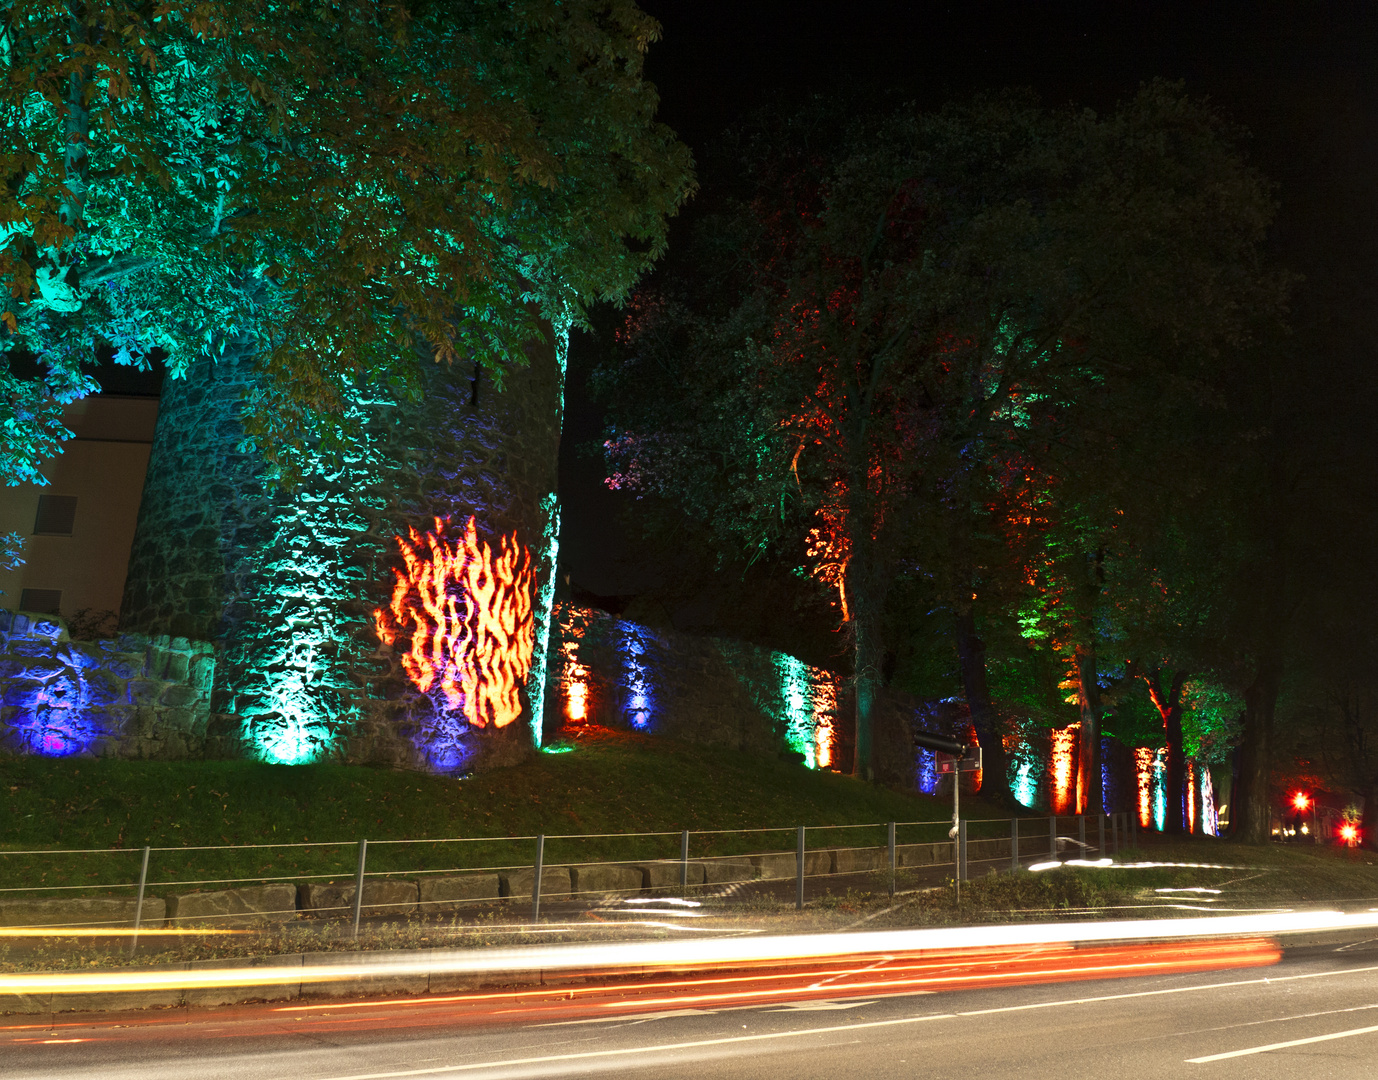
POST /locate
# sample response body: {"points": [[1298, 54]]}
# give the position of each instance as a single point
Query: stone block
{"points": [[281, 977], [382, 898], [22, 693], [725, 869], [144, 691], [177, 695], [125, 665], [235, 907], [665, 875], [32, 647], [859, 860], [594, 879], [86, 912], [444, 895], [784, 864], [555, 882], [923, 854]]}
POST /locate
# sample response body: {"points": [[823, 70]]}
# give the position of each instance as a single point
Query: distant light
{"points": [[1349, 832], [1301, 800]]}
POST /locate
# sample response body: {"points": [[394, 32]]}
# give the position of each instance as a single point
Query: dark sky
{"points": [[1301, 75]]}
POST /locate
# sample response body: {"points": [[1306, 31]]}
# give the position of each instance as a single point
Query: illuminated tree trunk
{"points": [[865, 601], [1169, 707], [1090, 795], [1090, 791]]}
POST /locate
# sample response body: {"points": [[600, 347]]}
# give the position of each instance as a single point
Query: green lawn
{"points": [[607, 784]]}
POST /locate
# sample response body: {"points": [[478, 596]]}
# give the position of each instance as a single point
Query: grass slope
{"points": [[608, 784]]}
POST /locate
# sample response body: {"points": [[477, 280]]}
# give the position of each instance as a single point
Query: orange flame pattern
{"points": [[467, 613], [1064, 768]]}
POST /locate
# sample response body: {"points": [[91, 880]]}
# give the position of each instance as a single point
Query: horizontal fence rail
{"points": [[358, 887]]}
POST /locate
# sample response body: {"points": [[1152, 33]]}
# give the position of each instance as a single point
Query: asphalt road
{"points": [[1313, 1015]]}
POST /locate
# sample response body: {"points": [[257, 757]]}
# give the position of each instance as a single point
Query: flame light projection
{"points": [[824, 710], [1191, 797], [1063, 768], [575, 678], [1143, 786], [465, 612]]}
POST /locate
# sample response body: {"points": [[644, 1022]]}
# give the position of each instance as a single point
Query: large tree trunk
{"points": [[1169, 705], [865, 600], [1250, 813], [971, 654], [1090, 791]]}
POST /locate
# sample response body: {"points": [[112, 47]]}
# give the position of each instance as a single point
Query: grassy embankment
{"points": [[608, 784]]}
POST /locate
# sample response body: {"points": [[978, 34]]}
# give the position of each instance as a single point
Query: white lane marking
{"points": [[658, 1048], [834, 1028], [820, 1006], [1169, 990], [1282, 1045]]}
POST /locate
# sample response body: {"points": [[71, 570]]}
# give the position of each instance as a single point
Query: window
{"points": [[55, 515], [41, 601]]}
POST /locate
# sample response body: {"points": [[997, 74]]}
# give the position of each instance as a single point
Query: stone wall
{"points": [[285, 582], [134, 696]]}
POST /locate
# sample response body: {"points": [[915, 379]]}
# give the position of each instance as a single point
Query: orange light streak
{"points": [[466, 611], [1143, 774], [1063, 757], [922, 973], [1191, 797]]}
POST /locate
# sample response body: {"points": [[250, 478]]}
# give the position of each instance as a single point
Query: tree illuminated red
{"points": [[464, 610]]}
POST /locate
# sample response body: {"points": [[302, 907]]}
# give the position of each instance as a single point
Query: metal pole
{"points": [[1100, 840], [956, 828], [1081, 832], [799, 873], [962, 851], [890, 843], [1115, 833], [536, 879], [139, 903], [359, 886], [684, 860], [1052, 837], [1014, 843]]}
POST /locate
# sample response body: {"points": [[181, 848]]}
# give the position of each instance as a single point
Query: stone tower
{"points": [[392, 607]]}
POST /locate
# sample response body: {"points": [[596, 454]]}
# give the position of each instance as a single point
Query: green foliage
{"points": [[349, 189]]}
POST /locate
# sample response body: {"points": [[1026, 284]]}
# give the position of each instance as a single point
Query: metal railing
{"points": [[908, 845]]}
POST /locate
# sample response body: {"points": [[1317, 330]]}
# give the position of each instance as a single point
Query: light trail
{"points": [[696, 955]]}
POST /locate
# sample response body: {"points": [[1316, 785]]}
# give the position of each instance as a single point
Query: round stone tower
{"points": [[393, 607]]}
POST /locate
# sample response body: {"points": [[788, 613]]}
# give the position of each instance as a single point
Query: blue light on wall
{"points": [[640, 692], [926, 771]]}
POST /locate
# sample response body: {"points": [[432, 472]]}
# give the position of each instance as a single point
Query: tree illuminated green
{"points": [[342, 189]]}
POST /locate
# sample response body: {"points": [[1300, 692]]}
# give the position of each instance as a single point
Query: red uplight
{"points": [[1301, 800]]}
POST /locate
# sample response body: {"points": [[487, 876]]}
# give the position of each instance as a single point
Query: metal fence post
{"points": [[799, 873], [139, 903], [1100, 839], [1052, 836], [1014, 843], [962, 850], [684, 859], [359, 886], [536, 879], [890, 845]]}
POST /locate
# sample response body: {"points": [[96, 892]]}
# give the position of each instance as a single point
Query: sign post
{"points": [[956, 758]]}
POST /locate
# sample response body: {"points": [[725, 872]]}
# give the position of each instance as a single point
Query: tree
{"points": [[882, 312], [332, 188]]}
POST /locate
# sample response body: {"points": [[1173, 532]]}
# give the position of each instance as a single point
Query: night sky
{"points": [[1301, 76]]}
